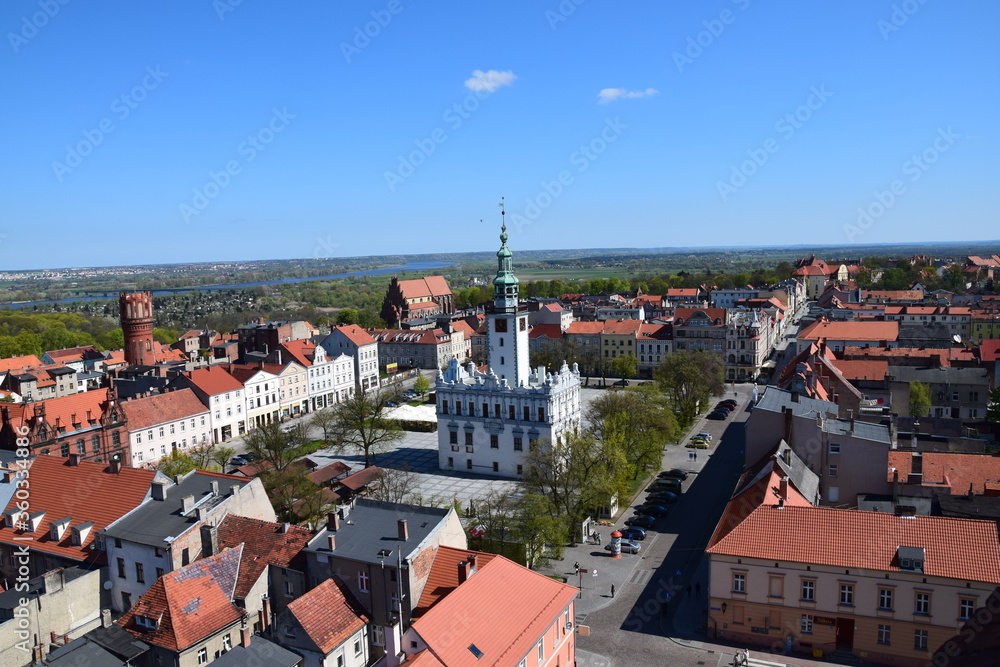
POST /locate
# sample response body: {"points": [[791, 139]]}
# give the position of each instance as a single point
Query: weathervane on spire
{"points": [[503, 222]]}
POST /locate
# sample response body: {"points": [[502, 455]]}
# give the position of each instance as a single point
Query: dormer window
{"points": [[911, 559], [146, 622]]}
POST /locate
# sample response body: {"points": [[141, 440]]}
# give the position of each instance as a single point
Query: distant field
{"points": [[581, 273]]}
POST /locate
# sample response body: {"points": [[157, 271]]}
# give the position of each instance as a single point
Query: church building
{"points": [[487, 421]]}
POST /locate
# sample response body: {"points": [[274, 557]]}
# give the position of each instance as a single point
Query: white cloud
{"points": [[489, 81], [612, 94]]}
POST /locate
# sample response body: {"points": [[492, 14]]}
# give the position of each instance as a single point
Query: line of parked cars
{"points": [[722, 409], [663, 492], [242, 459]]}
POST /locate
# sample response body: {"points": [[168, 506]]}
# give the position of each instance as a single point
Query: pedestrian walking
{"points": [[576, 566], [695, 455], [612, 590]]}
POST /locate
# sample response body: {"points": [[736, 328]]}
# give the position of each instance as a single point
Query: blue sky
{"points": [[171, 132]]}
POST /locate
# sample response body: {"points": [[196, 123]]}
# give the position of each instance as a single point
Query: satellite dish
{"points": [[956, 338]]}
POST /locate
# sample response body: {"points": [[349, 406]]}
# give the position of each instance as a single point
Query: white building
{"points": [[161, 423], [486, 421], [222, 394], [262, 391], [355, 342]]}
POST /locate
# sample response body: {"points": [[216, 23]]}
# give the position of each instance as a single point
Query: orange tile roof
{"points": [[443, 577], [356, 335], [424, 659], [161, 408], [752, 494], [303, 351], [585, 328], [326, 473], [362, 478], [213, 380], [893, 295], [26, 361], [264, 543], [961, 472], [463, 326], [424, 287], [75, 354], [62, 411], [655, 331], [812, 271], [866, 330], [85, 492], [989, 350], [965, 549], [546, 330], [621, 327], [114, 358], [329, 614], [504, 627], [683, 291], [190, 604], [863, 369], [712, 314]]}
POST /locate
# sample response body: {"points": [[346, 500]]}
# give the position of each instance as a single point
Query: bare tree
{"points": [[362, 424], [325, 420], [396, 487]]}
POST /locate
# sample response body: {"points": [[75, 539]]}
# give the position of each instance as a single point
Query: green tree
{"points": [[362, 424], [176, 463], [538, 529], [689, 379], [421, 385], [634, 424], [993, 410], [272, 445], [625, 366], [920, 399], [325, 420]]}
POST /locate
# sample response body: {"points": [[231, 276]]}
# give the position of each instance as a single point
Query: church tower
{"points": [[507, 327], [136, 313]]}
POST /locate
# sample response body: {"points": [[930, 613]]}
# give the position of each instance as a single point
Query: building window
{"points": [[847, 594], [808, 590], [883, 634], [139, 574], [472, 409], [541, 651], [834, 447], [458, 407], [920, 640], [965, 608], [453, 437], [95, 443], [520, 469], [227, 643], [203, 656], [494, 442], [739, 582], [468, 438], [511, 412], [833, 470], [496, 410], [517, 443], [451, 462], [363, 582], [496, 466], [121, 568], [541, 414], [922, 603], [807, 624], [378, 635], [468, 464], [159, 572], [885, 599], [444, 407], [527, 413]]}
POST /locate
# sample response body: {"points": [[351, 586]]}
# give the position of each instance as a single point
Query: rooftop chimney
{"points": [[209, 541], [215, 488], [472, 561], [285, 527], [115, 465], [187, 502], [245, 635], [158, 490], [74, 459], [464, 571], [401, 531], [332, 521], [331, 542], [234, 489], [783, 488]]}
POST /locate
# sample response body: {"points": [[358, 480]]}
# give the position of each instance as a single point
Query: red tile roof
{"points": [[552, 331], [27, 361], [161, 408], [189, 604], [712, 314], [955, 548], [424, 287], [621, 327], [656, 331], [961, 472], [85, 492], [989, 350], [74, 354], [264, 543], [463, 326], [62, 412], [683, 291], [326, 473], [443, 577], [329, 614], [892, 295], [362, 478], [758, 486], [592, 328], [356, 335], [865, 330], [303, 351], [875, 369], [504, 627], [424, 659], [213, 380]]}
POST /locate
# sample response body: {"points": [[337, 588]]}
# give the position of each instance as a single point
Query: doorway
{"points": [[845, 633]]}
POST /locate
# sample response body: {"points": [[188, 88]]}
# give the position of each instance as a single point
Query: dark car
{"points": [[728, 404], [627, 547], [718, 415], [652, 510], [664, 484], [237, 461], [248, 457], [641, 520], [633, 533], [661, 498], [674, 472]]}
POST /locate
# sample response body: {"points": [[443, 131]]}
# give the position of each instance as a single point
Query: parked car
{"points": [[718, 415], [641, 520], [706, 436], [665, 484], [661, 498], [237, 461], [697, 443], [248, 457], [674, 472], [620, 383], [628, 547], [633, 533], [731, 404], [651, 510]]}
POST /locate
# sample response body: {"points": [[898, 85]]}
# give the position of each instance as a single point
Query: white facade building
{"points": [[486, 421], [161, 423], [355, 342], [331, 379]]}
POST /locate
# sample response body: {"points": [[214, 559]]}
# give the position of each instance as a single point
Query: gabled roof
{"points": [[712, 314], [302, 351], [682, 291], [362, 478], [621, 327], [26, 361], [502, 625], [162, 408], [264, 543], [61, 412], [552, 331], [188, 604], [443, 577], [864, 330], [326, 473], [955, 548], [75, 354], [213, 380], [650, 331], [329, 614], [424, 287], [97, 496], [356, 334], [592, 328], [989, 350], [873, 369]]}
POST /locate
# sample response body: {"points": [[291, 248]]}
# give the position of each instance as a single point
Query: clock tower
{"points": [[507, 327]]}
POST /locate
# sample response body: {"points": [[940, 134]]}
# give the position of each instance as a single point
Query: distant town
{"points": [[798, 457]]}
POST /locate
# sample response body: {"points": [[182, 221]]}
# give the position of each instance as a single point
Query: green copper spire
{"points": [[505, 284]]}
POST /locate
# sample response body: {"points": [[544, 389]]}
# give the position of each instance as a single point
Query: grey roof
{"points": [[371, 527], [260, 652], [118, 640], [82, 652], [775, 400], [858, 429], [877, 502], [155, 520], [930, 332], [937, 375], [974, 507], [804, 479]]}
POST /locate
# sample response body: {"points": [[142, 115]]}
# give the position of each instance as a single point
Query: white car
{"points": [[707, 436]]}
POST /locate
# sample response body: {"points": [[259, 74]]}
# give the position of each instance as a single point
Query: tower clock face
{"points": [[501, 326]]}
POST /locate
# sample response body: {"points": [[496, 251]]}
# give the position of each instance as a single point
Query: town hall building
{"points": [[487, 421]]}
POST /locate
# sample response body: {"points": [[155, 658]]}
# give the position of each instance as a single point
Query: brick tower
{"points": [[136, 313]]}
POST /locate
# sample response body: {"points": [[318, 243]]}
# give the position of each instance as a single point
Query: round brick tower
{"points": [[136, 313]]}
